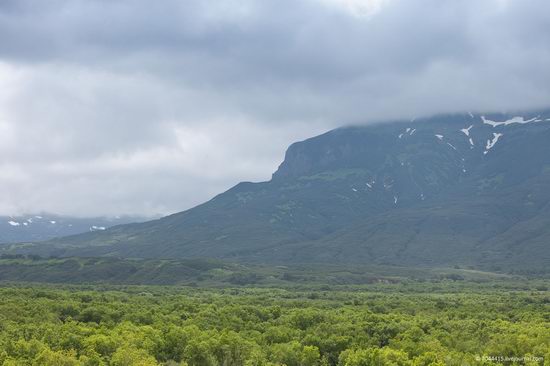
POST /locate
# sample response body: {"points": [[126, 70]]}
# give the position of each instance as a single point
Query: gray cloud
{"points": [[119, 106]]}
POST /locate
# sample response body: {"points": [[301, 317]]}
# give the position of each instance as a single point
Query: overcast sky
{"points": [[142, 107]]}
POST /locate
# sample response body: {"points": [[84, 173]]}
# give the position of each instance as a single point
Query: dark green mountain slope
{"points": [[460, 189]]}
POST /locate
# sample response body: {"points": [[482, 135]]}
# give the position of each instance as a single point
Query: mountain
{"points": [[43, 226], [465, 189]]}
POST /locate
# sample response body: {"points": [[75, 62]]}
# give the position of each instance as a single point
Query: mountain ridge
{"points": [[459, 189], [44, 226]]}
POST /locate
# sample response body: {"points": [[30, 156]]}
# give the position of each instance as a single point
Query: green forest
{"points": [[417, 323]]}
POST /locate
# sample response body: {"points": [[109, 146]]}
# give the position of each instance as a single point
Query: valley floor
{"points": [[439, 322]]}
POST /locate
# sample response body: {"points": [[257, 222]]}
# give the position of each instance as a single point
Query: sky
{"points": [[111, 107]]}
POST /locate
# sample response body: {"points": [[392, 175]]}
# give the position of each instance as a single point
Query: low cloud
{"points": [[134, 107]]}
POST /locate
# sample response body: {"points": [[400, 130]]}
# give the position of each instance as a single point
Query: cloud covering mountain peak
{"points": [[110, 107]]}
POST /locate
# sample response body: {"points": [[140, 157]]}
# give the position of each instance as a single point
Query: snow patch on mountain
{"points": [[97, 228], [492, 143], [451, 145], [466, 131], [14, 223], [408, 131], [519, 120]]}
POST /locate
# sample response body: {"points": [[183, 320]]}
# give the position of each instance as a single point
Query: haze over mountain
{"points": [[448, 190]]}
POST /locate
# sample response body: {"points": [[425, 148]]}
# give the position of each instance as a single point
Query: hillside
{"points": [[448, 190]]}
